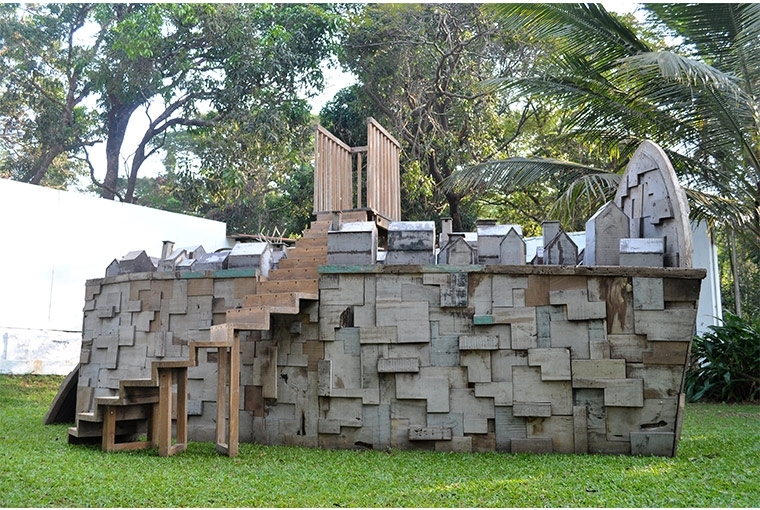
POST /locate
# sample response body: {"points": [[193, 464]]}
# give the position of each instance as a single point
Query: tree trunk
{"points": [[735, 274], [118, 119]]}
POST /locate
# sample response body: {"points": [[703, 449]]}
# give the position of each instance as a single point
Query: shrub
{"points": [[726, 362]]}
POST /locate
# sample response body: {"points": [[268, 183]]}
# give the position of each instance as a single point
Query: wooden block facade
{"points": [[514, 359]]}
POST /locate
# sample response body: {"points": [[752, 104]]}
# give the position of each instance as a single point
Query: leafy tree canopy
{"points": [[74, 74]]}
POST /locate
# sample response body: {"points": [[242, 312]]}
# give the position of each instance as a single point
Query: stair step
{"points": [[255, 316], [89, 417], [299, 261], [95, 429], [294, 273], [309, 286], [307, 251], [312, 242], [278, 299], [312, 234]]}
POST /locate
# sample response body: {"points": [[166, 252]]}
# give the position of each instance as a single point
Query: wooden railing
{"points": [[342, 173]]}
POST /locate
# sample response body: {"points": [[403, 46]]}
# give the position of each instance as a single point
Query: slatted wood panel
{"points": [[383, 179], [332, 173]]}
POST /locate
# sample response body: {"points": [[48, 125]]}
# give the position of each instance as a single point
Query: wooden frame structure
{"points": [[339, 175]]}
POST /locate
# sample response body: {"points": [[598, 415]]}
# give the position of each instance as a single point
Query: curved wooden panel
{"points": [[650, 195]]}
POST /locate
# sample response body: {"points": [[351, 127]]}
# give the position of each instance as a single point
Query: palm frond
{"points": [[584, 196], [722, 212], [517, 173], [574, 28]]}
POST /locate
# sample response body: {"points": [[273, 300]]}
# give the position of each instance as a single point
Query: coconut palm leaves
{"points": [[697, 101]]}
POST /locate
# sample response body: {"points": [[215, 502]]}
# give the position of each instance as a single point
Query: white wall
{"points": [[51, 242], [705, 255]]}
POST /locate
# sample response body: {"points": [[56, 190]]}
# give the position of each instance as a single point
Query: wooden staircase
{"points": [[148, 405]]}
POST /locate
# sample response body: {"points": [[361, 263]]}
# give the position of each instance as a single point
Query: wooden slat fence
{"points": [[332, 173], [383, 178], [374, 167]]}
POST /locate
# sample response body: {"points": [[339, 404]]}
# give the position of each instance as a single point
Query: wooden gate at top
{"points": [[366, 177]]}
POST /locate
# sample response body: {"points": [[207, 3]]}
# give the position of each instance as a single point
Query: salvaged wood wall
{"points": [[451, 358]]}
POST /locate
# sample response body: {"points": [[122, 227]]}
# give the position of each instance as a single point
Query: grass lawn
{"points": [[718, 465]]}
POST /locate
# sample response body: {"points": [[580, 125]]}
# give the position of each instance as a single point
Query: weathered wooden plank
{"points": [[480, 293], [392, 365], [501, 392], [478, 365], [648, 294], [653, 443], [411, 319], [427, 386], [429, 433], [504, 286], [596, 370], [672, 324], [558, 428], [573, 335], [537, 292], [532, 409], [580, 429], [656, 415], [478, 342], [554, 363], [675, 289], [527, 386], [660, 381], [628, 347], [578, 305], [378, 335], [455, 293], [502, 362], [624, 393], [532, 445], [666, 353]]}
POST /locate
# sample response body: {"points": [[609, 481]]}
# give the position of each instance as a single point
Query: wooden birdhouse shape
{"points": [[258, 255], [352, 243], [212, 261], [604, 230], [169, 263], [512, 248], [561, 251], [136, 262], [457, 251], [411, 242], [490, 237]]}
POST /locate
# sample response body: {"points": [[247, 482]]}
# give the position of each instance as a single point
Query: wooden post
{"points": [[164, 412], [234, 404], [109, 429], [181, 443], [221, 399]]}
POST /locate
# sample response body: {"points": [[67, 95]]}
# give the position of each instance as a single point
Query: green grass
{"points": [[718, 465]]}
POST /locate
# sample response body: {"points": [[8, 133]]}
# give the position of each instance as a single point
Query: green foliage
{"points": [[422, 66], [248, 66], [718, 458], [255, 173], [619, 86], [726, 363], [747, 272]]}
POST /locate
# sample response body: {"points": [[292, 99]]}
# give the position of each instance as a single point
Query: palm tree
{"points": [[697, 100]]}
